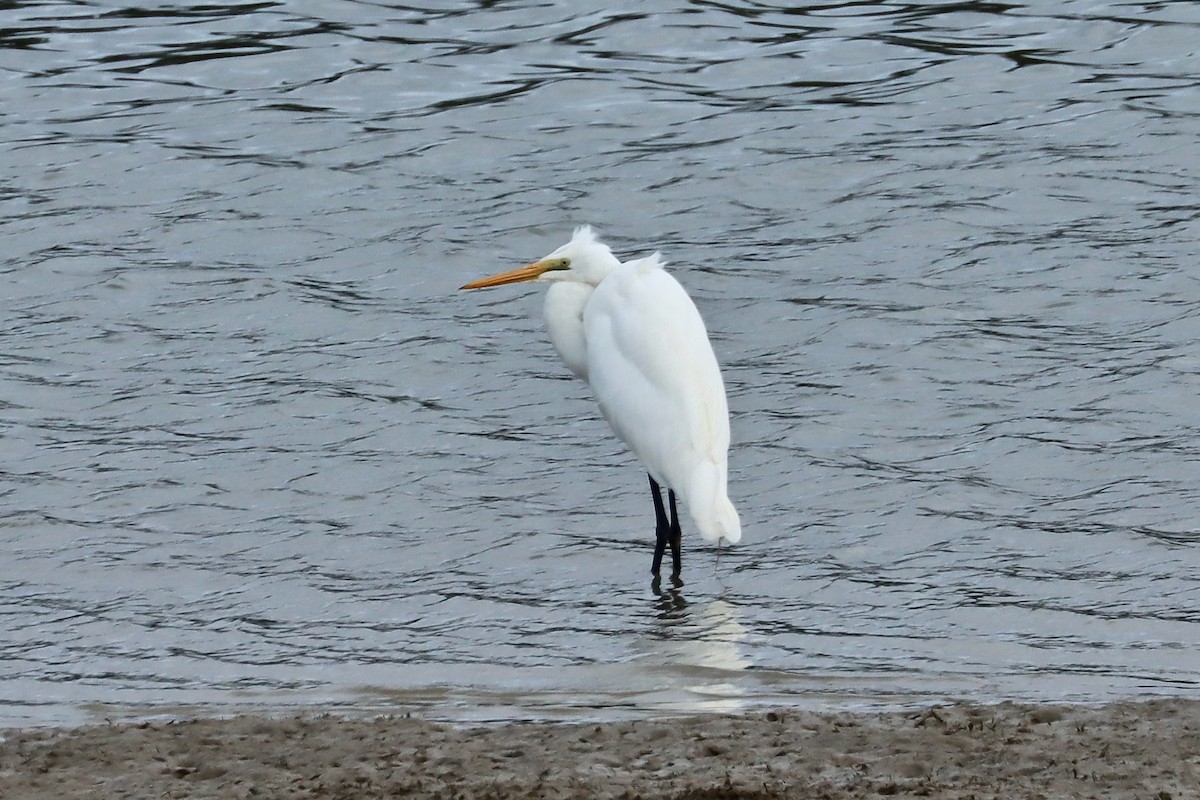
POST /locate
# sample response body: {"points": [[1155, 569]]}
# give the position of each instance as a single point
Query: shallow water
{"points": [[258, 451]]}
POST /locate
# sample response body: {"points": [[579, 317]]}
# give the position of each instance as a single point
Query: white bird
{"points": [[631, 331]]}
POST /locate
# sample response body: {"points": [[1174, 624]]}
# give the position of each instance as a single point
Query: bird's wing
{"points": [[653, 371]]}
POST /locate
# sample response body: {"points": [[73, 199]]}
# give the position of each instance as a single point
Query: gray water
{"points": [[259, 452]]}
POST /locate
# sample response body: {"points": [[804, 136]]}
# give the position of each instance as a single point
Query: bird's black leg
{"points": [[662, 529], [676, 539]]}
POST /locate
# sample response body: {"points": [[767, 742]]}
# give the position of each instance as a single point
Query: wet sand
{"points": [[1148, 750]]}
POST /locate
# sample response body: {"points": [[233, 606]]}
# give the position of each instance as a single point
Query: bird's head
{"points": [[584, 259]]}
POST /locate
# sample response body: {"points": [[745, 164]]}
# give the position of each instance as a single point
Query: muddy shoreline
{"points": [[1148, 750]]}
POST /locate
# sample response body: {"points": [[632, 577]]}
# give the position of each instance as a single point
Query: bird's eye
{"points": [[564, 263]]}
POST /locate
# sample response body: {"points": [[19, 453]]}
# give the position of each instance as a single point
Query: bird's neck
{"points": [[565, 302]]}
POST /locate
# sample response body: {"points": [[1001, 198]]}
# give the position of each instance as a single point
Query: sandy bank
{"points": [[1144, 750]]}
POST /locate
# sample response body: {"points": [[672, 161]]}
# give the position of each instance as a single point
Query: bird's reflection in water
{"points": [[670, 602], [696, 647]]}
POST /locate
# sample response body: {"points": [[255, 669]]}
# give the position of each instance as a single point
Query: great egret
{"points": [[631, 331]]}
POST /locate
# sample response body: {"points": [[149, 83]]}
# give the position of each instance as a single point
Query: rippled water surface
{"points": [[258, 451]]}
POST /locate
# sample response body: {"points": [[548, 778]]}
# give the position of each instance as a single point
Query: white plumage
{"points": [[631, 331]]}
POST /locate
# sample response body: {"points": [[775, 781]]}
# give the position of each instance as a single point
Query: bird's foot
{"points": [[656, 582]]}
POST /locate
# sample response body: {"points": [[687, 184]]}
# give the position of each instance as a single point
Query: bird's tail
{"points": [[708, 500]]}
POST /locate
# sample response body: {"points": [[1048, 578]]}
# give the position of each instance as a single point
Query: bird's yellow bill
{"points": [[529, 272]]}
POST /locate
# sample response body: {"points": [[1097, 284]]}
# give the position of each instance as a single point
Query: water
{"points": [[258, 452]]}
